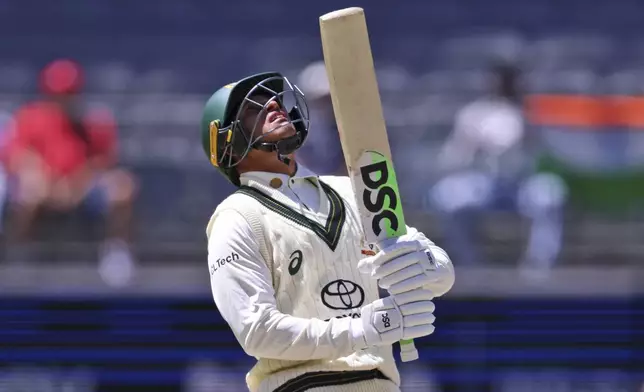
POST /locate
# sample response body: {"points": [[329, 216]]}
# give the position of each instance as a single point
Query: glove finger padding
{"points": [[397, 249], [397, 264], [415, 320], [417, 307], [418, 331], [410, 284], [415, 295], [401, 275]]}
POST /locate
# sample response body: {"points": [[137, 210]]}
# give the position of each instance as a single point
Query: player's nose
{"points": [[273, 106]]}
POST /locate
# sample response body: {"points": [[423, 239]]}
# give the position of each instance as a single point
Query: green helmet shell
{"points": [[219, 113]]}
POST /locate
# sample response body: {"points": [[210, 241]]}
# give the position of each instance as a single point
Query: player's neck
{"points": [[270, 166]]}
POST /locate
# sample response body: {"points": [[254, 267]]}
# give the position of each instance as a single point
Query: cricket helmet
{"points": [[225, 140]]}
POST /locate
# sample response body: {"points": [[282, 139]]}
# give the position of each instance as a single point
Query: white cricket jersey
{"points": [[283, 254]]}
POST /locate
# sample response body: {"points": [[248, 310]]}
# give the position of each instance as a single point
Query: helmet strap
{"points": [[283, 147]]}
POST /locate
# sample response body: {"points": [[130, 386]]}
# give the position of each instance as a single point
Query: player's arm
{"points": [[242, 289]]}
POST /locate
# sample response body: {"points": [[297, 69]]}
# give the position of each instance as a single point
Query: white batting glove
{"points": [[388, 320], [409, 262]]}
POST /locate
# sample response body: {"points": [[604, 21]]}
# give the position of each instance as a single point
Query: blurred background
{"points": [[517, 128]]}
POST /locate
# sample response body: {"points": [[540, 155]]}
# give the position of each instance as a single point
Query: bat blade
{"points": [[361, 124], [363, 133]]}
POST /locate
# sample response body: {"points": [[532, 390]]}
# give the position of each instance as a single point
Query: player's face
{"points": [[271, 121]]}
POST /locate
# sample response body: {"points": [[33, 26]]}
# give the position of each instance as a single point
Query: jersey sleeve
{"points": [[242, 289]]}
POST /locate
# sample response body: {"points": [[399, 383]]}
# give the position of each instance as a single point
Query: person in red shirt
{"points": [[61, 156]]}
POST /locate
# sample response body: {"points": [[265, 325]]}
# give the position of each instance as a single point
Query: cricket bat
{"points": [[363, 134]]}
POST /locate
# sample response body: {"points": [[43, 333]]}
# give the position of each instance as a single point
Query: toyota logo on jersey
{"points": [[342, 295]]}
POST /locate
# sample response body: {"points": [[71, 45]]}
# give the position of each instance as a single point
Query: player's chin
{"points": [[281, 131]]}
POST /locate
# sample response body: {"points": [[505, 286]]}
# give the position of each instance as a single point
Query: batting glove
{"points": [[410, 262], [388, 320]]}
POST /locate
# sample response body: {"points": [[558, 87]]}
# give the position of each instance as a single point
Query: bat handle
{"points": [[408, 351]]}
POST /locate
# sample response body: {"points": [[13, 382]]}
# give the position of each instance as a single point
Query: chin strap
{"points": [[283, 147]]}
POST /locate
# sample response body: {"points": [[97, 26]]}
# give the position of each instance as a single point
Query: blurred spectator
{"points": [[322, 152], [489, 160], [61, 156]]}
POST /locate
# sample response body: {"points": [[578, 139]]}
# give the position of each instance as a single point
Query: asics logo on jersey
{"points": [[342, 294], [380, 171], [214, 267], [296, 262]]}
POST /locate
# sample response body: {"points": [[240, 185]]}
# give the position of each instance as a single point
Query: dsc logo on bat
{"points": [[380, 206]]}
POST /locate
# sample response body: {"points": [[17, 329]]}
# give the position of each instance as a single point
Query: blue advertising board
{"points": [[141, 344]]}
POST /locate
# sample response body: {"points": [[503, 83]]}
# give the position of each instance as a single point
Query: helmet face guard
{"points": [[232, 143]]}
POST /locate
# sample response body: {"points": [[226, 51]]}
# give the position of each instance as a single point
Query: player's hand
{"points": [[410, 262], [405, 316]]}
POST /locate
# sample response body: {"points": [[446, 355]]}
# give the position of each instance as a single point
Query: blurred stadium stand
{"points": [[155, 63]]}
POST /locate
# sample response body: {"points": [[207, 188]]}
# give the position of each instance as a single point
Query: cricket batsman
{"points": [[289, 271]]}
